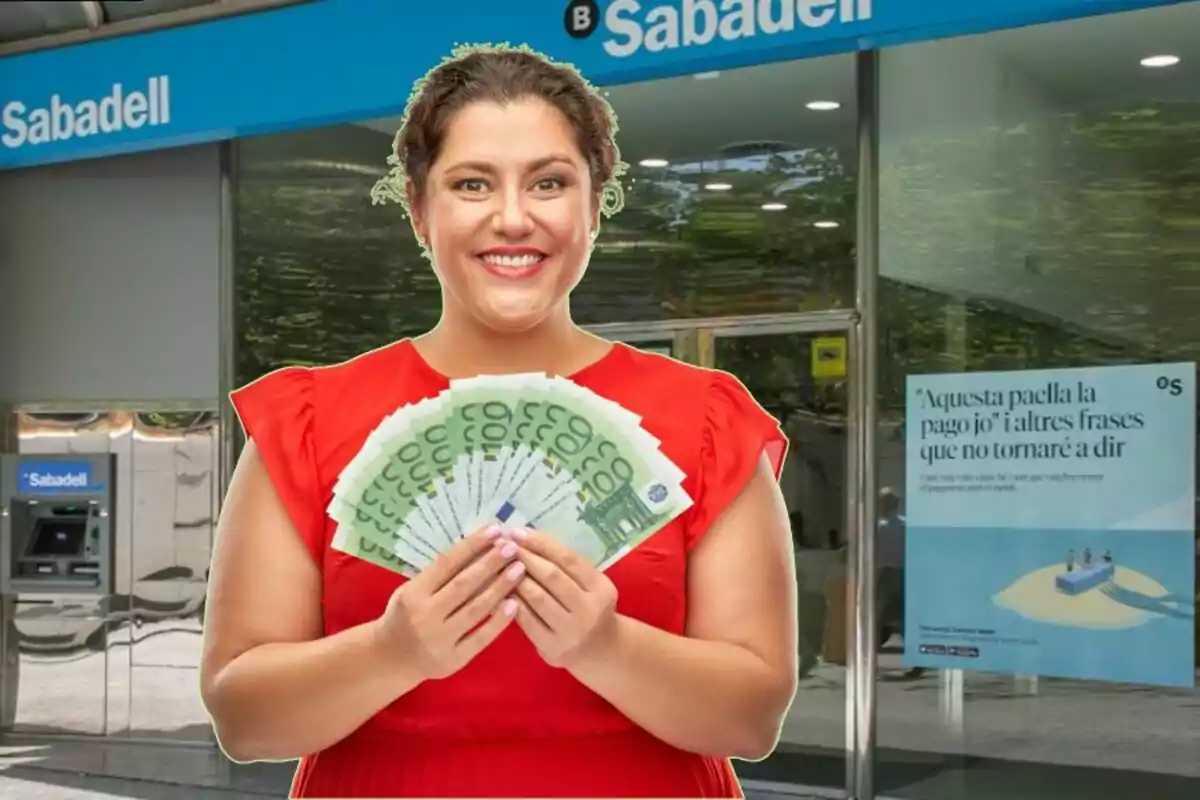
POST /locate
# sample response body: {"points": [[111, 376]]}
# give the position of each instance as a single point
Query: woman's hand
{"points": [[446, 615], [568, 608]]}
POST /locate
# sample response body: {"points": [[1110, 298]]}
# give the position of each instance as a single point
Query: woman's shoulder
{"points": [[680, 402], [707, 422], [392, 368], [663, 381], [393, 375], [334, 401]]}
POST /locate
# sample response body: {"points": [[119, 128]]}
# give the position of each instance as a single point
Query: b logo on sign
{"points": [[581, 18]]}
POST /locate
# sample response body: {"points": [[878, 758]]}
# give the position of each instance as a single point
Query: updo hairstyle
{"points": [[501, 74]]}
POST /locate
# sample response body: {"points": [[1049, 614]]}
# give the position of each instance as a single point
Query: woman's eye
{"points": [[549, 184], [471, 185]]}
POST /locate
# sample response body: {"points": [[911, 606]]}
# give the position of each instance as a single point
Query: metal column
{"points": [[228, 447], [861, 681]]}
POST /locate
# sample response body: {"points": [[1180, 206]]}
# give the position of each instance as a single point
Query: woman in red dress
{"points": [[510, 667]]}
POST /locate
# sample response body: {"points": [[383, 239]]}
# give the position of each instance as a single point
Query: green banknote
{"points": [[482, 433], [603, 488], [401, 484], [353, 544], [524, 449]]}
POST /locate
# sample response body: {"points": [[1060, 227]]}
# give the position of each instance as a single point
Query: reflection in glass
{"points": [[1040, 208], [808, 395], [126, 664], [322, 275]]}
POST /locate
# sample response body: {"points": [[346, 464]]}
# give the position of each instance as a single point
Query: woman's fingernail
{"points": [[510, 607], [520, 533], [493, 532], [515, 571], [509, 550]]}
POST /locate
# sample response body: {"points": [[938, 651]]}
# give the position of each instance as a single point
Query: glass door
{"points": [[797, 368]]}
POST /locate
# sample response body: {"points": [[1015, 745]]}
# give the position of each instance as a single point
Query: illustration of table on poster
{"points": [[1051, 523]]}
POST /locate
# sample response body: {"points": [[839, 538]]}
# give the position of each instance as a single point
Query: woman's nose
{"points": [[512, 218]]}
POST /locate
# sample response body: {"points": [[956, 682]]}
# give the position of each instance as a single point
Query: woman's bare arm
{"points": [[276, 689]]}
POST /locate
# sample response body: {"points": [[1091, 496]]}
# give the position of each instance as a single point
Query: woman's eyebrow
{"points": [[490, 169]]}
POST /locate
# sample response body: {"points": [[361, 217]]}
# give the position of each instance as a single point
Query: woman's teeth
{"points": [[512, 262]]}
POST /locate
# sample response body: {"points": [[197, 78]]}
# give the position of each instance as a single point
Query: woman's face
{"points": [[508, 212]]}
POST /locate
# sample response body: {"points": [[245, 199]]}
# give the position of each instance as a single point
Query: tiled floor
{"points": [[153, 692], [36, 783], [96, 771], [48, 786], [87, 788]]}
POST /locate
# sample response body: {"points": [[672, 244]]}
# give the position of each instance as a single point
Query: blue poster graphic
{"points": [[1050, 523]]}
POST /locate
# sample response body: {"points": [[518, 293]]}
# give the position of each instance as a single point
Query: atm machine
{"points": [[56, 544]]}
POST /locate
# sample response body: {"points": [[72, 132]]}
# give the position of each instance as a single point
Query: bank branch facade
{"points": [[953, 247]]}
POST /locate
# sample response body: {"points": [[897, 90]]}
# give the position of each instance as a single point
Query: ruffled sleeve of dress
{"points": [[278, 411], [737, 433]]}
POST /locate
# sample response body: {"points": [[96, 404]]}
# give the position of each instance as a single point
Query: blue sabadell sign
{"points": [[56, 477], [323, 62]]}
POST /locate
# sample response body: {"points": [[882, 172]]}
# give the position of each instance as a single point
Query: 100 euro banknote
{"points": [[516, 449]]}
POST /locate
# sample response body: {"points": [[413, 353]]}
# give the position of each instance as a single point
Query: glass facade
{"points": [[1039, 206], [748, 212]]}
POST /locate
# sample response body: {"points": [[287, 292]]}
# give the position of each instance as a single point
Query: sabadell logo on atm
{"points": [[58, 480], [61, 119], [632, 26], [74, 475]]}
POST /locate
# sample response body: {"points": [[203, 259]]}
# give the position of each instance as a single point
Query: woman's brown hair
{"points": [[501, 74]]}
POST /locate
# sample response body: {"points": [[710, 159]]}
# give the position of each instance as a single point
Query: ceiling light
{"points": [[653, 162], [1155, 62], [707, 76], [718, 187], [825, 223], [774, 206], [823, 105]]}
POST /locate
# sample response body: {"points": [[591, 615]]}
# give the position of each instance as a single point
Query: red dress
{"points": [[507, 725]]}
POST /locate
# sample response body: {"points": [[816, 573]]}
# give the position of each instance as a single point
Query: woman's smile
{"points": [[512, 262]]}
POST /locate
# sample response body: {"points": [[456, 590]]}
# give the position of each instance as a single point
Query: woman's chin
{"points": [[512, 320]]}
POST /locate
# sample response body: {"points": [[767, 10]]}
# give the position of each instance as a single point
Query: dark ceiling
{"points": [[31, 20]]}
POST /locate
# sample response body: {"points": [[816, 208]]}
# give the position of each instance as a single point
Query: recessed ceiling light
{"points": [[718, 187], [823, 105], [653, 162], [774, 206], [825, 223], [707, 76], [1155, 62]]}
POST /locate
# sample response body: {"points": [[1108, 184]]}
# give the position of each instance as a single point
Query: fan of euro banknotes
{"points": [[527, 450]]}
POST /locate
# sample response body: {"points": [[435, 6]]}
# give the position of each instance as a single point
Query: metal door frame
{"points": [[859, 618], [746, 325]]}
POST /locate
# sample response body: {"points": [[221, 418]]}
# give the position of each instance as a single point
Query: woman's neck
{"points": [[557, 346]]}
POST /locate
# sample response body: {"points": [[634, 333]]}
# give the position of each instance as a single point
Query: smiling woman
{"points": [[534, 250], [511, 666]]}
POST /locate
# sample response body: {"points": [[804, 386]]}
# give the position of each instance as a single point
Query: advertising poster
{"points": [[1050, 523]]}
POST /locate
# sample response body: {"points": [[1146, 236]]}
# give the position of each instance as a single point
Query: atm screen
{"points": [[58, 538]]}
